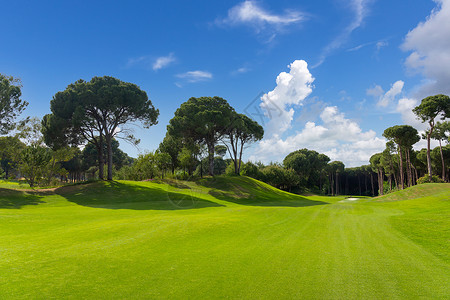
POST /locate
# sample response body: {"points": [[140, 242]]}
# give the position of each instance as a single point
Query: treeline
{"points": [[78, 141]]}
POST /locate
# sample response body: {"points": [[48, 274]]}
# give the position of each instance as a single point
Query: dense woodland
{"points": [[78, 141]]}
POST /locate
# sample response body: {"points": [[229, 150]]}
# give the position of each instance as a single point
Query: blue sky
{"points": [[346, 69]]}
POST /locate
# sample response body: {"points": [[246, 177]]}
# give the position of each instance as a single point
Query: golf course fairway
{"points": [[224, 237]]}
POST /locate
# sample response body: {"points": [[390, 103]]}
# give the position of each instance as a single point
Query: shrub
{"points": [[426, 179]]}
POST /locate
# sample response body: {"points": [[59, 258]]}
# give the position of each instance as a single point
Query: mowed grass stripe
{"points": [[71, 247]]}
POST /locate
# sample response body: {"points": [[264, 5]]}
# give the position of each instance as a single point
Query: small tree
{"points": [[430, 108], [172, 146], [187, 159], [163, 162], [11, 105], [33, 163]]}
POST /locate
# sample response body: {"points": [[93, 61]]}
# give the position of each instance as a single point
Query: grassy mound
{"points": [[218, 238], [417, 191], [425, 215]]}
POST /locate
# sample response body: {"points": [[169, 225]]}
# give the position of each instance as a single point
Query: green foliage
{"points": [[10, 149], [426, 179], [11, 104], [430, 107], [220, 150], [402, 135], [34, 160], [202, 120], [172, 146], [308, 164], [187, 159], [251, 170], [163, 162], [280, 177], [79, 105], [241, 131]]}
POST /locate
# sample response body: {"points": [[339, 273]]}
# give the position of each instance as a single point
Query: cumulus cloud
{"points": [[250, 13], [292, 88], [390, 95], [338, 137], [163, 61], [429, 44], [195, 76], [360, 10]]}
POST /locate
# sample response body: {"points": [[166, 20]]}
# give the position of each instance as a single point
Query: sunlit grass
{"points": [[221, 238]]}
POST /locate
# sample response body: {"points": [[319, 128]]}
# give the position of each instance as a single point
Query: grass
{"points": [[221, 238]]}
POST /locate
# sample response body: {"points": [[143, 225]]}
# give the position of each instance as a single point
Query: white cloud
{"points": [[430, 43], [250, 13], [376, 91], [195, 76], [360, 9], [335, 135], [292, 88], [338, 137], [163, 61], [390, 95], [381, 44]]}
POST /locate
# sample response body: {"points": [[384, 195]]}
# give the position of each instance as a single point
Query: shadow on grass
{"points": [[116, 195], [245, 191], [17, 199]]}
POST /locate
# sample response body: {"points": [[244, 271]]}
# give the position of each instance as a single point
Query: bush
{"points": [[426, 179]]}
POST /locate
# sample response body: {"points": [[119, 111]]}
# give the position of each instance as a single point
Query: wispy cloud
{"points": [[195, 76], [360, 9], [139, 61], [150, 62], [163, 61], [241, 70], [250, 13]]}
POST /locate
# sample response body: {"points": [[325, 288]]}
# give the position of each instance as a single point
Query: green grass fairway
{"points": [[222, 238]]}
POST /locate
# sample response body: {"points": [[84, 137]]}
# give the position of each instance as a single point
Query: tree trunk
{"points": [[428, 150], [442, 159], [240, 159], [337, 183], [408, 163], [332, 184], [402, 180], [380, 181], [211, 158], [100, 157], [110, 156], [371, 180]]}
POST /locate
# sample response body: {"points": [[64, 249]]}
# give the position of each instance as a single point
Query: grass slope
{"points": [[221, 238]]}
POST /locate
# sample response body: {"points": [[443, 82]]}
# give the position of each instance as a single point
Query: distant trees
{"points": [[441, 132], [404, 136], [427, 111], [203, 120], [335, 168], [11, 104], [172, 146], [97, 111], [308, 164]]}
